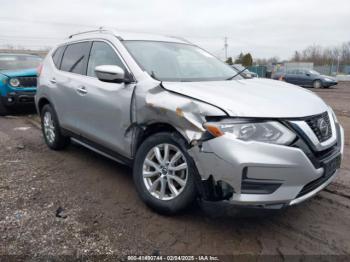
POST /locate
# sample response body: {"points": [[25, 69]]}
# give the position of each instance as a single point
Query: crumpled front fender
{"points": [[186, 114]]}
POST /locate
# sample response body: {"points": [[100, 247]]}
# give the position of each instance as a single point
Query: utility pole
{"points": [[226, 45]]}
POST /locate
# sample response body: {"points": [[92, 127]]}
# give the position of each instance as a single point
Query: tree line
{"points": [[324, 56], [244, 59], [315, 54]]}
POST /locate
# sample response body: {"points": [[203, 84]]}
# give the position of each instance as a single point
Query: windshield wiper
{"points": [[239, 72]]}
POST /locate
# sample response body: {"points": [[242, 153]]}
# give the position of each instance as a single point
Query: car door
{"points": [[291, 76], [105, 107], [68, 81], [303, 78], [309, 77]]}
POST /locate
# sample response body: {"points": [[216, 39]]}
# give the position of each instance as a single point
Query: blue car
{"points": [[18, 77], [306, 78]]}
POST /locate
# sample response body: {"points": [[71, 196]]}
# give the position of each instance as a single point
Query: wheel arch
{"points": [[41, 103], [145, 131]]}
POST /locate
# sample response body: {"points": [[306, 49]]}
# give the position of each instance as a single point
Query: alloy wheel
{"points": [[165, 171]]}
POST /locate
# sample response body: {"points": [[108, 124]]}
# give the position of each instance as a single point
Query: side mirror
{"points": [[308, 74], [110, 73]]}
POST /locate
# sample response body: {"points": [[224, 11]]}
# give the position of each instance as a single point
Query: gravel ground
{"points": [[75, 202]]}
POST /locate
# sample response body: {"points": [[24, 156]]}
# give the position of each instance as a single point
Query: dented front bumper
{"points": [[261, 174]]}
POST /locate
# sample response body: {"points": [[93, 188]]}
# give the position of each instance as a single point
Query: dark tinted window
{"points": [[57, 56], [102, 54], [75, 58]]}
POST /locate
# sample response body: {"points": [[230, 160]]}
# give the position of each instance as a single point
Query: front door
{"points": [[105, 107]]}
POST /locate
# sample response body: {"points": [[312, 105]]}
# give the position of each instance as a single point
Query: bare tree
{"points": [[323, 56]]}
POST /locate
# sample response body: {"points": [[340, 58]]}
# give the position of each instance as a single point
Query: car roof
{"points": [[123, 35]]}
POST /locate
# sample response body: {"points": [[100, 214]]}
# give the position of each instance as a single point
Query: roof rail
{"points": [[182, 39], [100, 30]]}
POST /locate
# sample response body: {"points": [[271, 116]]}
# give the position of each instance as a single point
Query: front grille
{"points": [[27, 81], [321, 126]]}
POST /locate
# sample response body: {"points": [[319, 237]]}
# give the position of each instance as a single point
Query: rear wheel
{"points": [[317, 84], [51, 129], [164, 173]]}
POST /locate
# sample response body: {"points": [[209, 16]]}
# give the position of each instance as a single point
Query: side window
{"points": [[57, 56], [75, 58], [102, 54]]}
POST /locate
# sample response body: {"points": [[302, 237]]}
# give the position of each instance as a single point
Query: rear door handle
{"points": [[82, 90], [53, 80]]}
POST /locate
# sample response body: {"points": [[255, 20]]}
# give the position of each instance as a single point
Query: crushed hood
{"points": [[255, 97]]}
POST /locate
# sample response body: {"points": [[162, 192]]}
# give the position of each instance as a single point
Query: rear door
{"points": [[105, 108], [68, 81]]}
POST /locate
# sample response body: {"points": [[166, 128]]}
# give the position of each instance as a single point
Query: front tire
{"points": [[164, 173], [51, 129]]}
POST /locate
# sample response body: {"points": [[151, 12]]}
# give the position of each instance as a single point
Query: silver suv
{"points": [[188, 123]]}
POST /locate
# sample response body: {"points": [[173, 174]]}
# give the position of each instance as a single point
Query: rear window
{"points": [[57, 56], [75, 58]]}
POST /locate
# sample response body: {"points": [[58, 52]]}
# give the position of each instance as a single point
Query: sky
{"points": [[265, 28]]}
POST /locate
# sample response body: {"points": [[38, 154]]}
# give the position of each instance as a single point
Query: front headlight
{"points": [[328, 79], [269, 132], [14, 82]]}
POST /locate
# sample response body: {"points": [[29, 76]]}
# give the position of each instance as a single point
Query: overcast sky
{"points": [[264, 28]]}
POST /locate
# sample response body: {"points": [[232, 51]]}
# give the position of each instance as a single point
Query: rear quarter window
{"points": [[75, 58]]}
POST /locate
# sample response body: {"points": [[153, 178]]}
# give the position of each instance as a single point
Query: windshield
{"points": [[177, 62], [15, 62]]}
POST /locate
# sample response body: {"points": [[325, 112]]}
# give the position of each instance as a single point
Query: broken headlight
{"points": [[269, 132]]}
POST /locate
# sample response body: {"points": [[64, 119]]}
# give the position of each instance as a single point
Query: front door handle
{"points": [[53, 80], [82, 90]]}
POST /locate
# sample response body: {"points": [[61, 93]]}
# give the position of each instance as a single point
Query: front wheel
{"points": [[164, 173], [317, 84]]}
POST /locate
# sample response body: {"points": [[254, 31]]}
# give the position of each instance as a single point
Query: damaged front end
{"points": [[161, 107], [258, 172]]}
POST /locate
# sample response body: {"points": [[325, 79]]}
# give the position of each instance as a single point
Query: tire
{"points": [[51, 129], [317, 84], [179, 193], [3, 109]]}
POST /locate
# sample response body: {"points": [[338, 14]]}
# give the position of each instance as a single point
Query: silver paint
{"points": [[109, 114]]}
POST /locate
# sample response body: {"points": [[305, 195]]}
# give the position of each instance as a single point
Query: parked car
{"points": [[245, 71], [187, 123], [18, 77], [306, 78]]}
